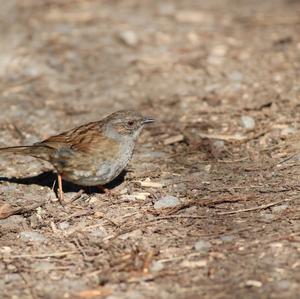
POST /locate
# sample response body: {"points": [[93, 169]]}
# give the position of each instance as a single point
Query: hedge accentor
{"points": [[92, 154]]}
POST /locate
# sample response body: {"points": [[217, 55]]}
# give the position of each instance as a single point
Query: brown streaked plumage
{"points": [[92, 154]]}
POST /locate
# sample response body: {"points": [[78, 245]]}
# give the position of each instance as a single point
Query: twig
{"points": [[42, 255], [285, 159], [20, 210], [178, 216], [77, 196], [262, 207]]}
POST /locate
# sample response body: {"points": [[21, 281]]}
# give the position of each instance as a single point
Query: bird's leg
{"points": [[60, 190]]}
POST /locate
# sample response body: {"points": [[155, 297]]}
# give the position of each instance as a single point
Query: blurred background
{"points": [[221, 78]]}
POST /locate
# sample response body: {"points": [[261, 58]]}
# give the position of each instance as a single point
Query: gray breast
{"points": [[109, 170]]}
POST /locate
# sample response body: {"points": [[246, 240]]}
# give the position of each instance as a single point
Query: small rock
{"points": [[150, 184], [280, 208], [207, 168], [156, 266], [32, 236], [236, 76], [266, 217], [136, 195], [288, 131], [247, 122], [227, 238], [167, 202], [129, 38], [202, 245], [63, 225], [219, 144], [99, 232]]}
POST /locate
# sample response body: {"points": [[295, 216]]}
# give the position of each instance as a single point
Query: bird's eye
{"points": [[130, 123]]}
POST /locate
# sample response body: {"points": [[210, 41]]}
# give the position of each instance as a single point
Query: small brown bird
{"points": [[92, 154]]}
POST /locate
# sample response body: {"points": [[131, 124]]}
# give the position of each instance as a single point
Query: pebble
{"points": [[63, 225], [280, 208], [156, 266], [219, 144], [129, 38], [148, 183], [247, 122], [136, 195], [167, 202], [32, 236], [236, 76], [266, 217], [288, 131], [99, 232], [227, 238], [202, 245]]}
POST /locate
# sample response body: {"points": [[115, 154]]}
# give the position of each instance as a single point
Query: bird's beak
{"points": [[148, 120]]}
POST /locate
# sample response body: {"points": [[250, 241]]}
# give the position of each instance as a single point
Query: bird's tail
{"points": [[41, 152]]}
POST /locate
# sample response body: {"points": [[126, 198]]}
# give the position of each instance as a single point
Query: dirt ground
{"points": [[222, 80]]}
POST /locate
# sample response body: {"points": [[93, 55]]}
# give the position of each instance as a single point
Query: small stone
{"points": [[207, 168], [167, 202], [280, 208], [129, 38], [227, 238], [248, 122], [28, 236], [148, 183], [135, 195], [266, 217], [99, 232], [236, 76], [63, 225], [156, 266], [202, 245], [253, 283], [288, 131], [219, 144]]}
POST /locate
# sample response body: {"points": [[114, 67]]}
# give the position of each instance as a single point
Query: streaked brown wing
{"points": [[81, 139]]}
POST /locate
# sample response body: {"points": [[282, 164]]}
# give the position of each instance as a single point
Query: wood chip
{"points": [[150, 184], [94, 293], [174, 139]]}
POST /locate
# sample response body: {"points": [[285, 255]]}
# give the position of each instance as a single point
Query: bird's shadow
{"points": [[49, 179]]}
